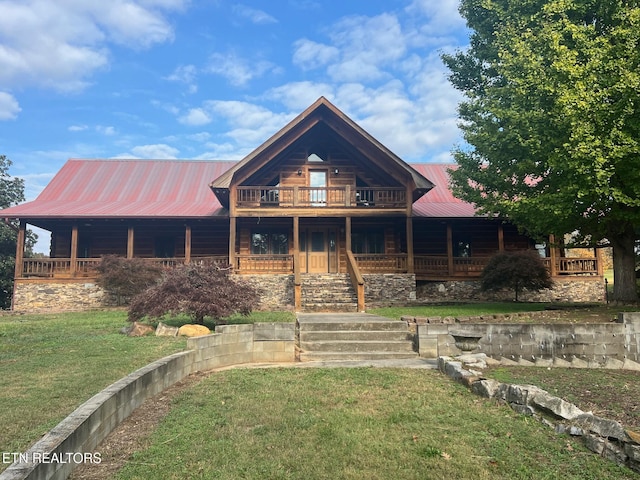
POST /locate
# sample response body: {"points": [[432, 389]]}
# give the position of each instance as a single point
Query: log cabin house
{"points": [[321, 208]]}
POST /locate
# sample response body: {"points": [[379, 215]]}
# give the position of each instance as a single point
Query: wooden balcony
{"points": [[321, 197]]}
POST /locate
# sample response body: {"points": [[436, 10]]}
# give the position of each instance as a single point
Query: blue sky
{"points": [[213, 79]]}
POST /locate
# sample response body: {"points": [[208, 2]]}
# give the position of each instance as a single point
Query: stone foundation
{"points": [[389, 289], [575, 289], [38, 296], [276, 291]]}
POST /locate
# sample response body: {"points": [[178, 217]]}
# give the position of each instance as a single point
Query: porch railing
{"points": [[87, 267], [435, 266], [263, 263], [309, 197], [381, 263]]}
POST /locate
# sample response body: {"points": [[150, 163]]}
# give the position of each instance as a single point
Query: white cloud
{"points": [[223, 151], [297, 96], [60, 44], [366, 45], [77, 128], [107, 131], [9, 107], [238, 71], [249, 124], [254, 15], [309, 54], [185, 74], [442, 17], [199, 137], [157, 151], [195, 117]]}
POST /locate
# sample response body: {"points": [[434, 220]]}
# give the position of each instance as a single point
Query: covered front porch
{"points": [[432, 250]]}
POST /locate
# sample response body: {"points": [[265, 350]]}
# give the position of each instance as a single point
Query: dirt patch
{"points": [[133, 433]]}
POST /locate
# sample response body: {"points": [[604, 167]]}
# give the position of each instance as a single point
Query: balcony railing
{"points": [[309, 197], [428, 266]]}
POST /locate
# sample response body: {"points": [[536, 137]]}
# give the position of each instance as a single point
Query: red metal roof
{"points": [[176, 189], [439, 201], [127, 188]]}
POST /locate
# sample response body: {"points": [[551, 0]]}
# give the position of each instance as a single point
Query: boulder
{"points": [[487, 388], [558, 407], [140, 330], [163, 330], [191, 330]]}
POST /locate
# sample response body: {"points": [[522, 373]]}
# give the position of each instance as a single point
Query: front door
{"points": [[318, 250]]}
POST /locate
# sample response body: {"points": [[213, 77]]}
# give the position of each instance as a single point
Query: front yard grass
{"points": [[51, 364], [357, 423]]}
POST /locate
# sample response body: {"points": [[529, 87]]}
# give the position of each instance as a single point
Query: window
{"points": [[462, 248], [368, 242], [164, 247], [269, 243]]}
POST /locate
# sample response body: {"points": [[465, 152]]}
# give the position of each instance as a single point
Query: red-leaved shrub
{"points": [[198, 291]]}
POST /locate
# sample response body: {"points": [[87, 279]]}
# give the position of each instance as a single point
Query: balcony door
{"points": [[318, 188]]}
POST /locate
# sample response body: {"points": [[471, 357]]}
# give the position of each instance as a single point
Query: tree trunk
{"points": [[624, 266]]}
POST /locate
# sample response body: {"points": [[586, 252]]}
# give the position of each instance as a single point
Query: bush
{"points": [[127, 277], [195, 290], [516, 270]]}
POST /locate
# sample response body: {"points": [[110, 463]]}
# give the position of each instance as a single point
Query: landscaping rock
{"points": [[191, 330], [487, 388], [602, 426], [594, 443], [163, 330], [140, 330], [554, 405]]}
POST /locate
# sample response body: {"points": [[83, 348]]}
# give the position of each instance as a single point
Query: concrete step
{"points": [[356, 346], [353, 326], [361, 356], [330, 307], [358, 335]]}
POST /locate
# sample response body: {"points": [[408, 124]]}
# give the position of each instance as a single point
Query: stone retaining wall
{"points": [[580, 345], [83, 430], [574, 289], [603, 437]]}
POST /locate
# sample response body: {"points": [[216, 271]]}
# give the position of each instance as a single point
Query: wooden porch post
{"points": [[347, 233], [450, 249], [500, 238], [553, 253], [599, 263], [410, 267], [74, 248], [187, 244], [232, 242], [20, 249], [130, 238]]}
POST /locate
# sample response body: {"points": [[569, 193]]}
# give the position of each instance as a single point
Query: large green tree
{"points": [[551, 120], [11, 193]]}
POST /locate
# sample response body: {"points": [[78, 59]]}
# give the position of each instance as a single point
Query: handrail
{"points": [[356, 279], [297, 284]]}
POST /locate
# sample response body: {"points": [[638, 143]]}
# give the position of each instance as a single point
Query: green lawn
{"points": [[457, 309], [353, 424], [51, 364]]}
